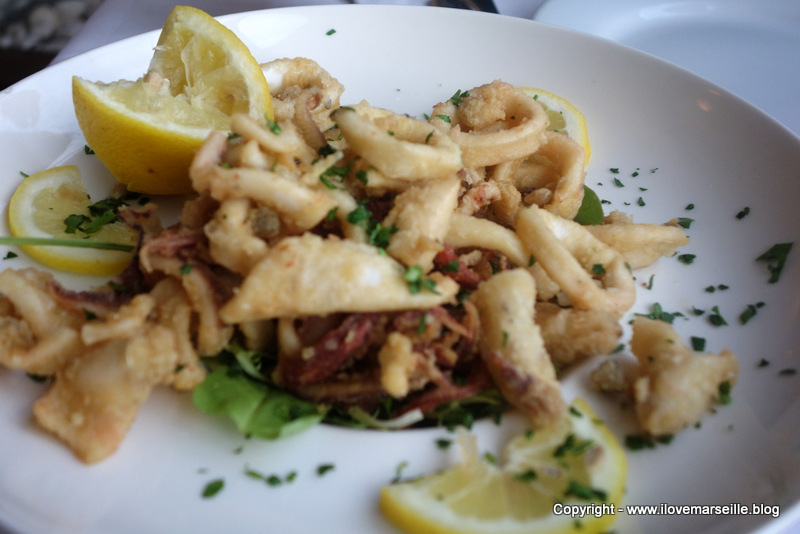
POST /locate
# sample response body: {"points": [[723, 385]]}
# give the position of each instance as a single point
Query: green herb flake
{"points": [[698, 343], [443, 443], [452, 267], [582, 491], [213, 487], [763, 362], [724, 391], [459, 97], [598, 269], [750, 312], [689, 207], [688, 259], [776, 258], [330, 32], [743, 213], [526, 476], [716, 318], [186, 268], [10, 255], [324, 469], [445, 118], [273, 126], [88, 150], [417, 281], [618, 182], [789, 371], [685, 222]]}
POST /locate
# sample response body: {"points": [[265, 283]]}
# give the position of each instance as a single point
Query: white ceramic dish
{"points": [[710, 149], [749, 48]]}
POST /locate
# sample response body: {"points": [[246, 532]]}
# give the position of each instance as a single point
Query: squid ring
{"points": [[497, 122], [397, 145], [572, 257]]}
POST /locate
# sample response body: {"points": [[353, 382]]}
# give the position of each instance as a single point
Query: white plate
{"points": [[750, 48], [710, 149]]}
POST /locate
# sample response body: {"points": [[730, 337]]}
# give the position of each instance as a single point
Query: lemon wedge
{"points": [[577, 462], [564, 117], [39, 208], [147, 131]]}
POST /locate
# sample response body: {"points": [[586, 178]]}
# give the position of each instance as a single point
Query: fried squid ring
{"points": [[421, 215], [293, 80], [576, 261], [466, 232], [567, 162], [301, 207], [496, 122], [397, 145]]}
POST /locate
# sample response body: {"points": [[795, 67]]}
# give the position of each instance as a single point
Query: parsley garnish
{"points": [[698, 344], [324, 468], [330, 32], [715, 318], [685, 222], [213, 487], [417, 281], [581, 491], [776, 258], [688, 259], [744, 213], [459, 97], [725, 393], [750, 312]]}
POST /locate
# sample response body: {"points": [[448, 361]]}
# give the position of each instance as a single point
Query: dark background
{"points": [[32, 32]]}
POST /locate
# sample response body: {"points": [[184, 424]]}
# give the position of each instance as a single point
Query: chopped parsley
{"points": [[88, 150], [688, 259], [330, 32], [582, 491], [716, 318], [685, 222], [776, 258], [417, 281], [213, 487], [459, 97], [743, 213], [725, 393], [750, 312], [324, 468], [698, 343], [10, 255]]}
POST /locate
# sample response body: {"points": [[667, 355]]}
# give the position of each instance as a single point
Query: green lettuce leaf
{"points": [[257, 408]]}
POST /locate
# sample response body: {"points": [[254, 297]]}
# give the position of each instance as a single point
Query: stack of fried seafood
{"points": [[377, 255]]}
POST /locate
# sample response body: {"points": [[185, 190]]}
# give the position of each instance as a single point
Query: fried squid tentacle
{"points": [[512, 347]]}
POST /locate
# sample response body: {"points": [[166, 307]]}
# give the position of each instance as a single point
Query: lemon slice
{"points": [[564, 117], [38, 209], [146, 131], [577, 462]]}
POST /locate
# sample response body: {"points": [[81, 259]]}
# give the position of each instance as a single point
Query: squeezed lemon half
{"points": [[147, 131]]}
